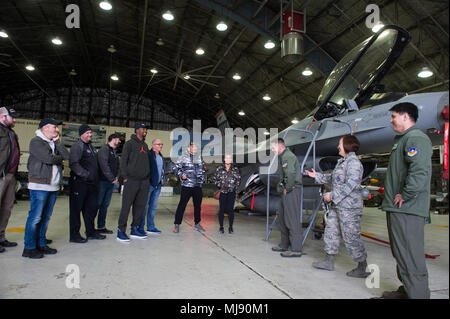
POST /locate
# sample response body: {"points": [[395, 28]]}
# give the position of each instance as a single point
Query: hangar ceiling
{"points": [[203, 84]]}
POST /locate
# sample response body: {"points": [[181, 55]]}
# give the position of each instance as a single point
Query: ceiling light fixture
{"points": [[30, 67], [307, 72], [105, 5], [168, 16], [294, 121], [73, 72], [114, 77], [424, 73], [160, 42], [200, 51], [217, 96], [266, 97], [241, 113], [186, 77], [3, 34], [377, 27], [154, 71], [111, 49], [269, 44], [221, 26], [236, 76], [56, 41]]}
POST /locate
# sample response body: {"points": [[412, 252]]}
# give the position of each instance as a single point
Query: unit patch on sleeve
{"points": [[412, 151]]}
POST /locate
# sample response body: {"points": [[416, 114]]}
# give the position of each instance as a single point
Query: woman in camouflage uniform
{"points": [[345, 209], [227, 178]]}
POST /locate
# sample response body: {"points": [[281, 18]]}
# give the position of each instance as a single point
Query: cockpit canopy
{"points": [[359, 72]]}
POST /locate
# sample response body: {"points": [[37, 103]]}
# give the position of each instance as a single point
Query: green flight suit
{"points": [[289, 211], [409, 174]]}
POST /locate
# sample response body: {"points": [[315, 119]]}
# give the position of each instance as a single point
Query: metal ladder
{"points": [[310, 216]]}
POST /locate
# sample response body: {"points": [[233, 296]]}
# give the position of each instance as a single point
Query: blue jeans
{"points": [[41, 208], [105, 190], [150, 208]]}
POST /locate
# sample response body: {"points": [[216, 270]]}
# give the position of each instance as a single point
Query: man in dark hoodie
{"points": [[135, 170], [83, 186]]}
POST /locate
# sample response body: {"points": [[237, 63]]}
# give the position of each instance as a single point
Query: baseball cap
{"points": [[44, 122], [8, 111], [138, 126]]}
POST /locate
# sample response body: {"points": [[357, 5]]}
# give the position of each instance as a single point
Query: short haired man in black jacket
{"points": [[108, 162], [83, 186]]}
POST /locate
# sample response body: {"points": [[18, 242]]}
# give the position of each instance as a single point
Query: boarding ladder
{"points": [[311, 214]]}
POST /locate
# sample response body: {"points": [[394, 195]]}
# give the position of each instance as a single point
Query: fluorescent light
{"points": [[307, 72], [221, 26], [56, 41], [168, 16], [266, 133], [186, 77], [269, 44], [236, 76], [30, 67], [241, 113], [114, 77], [3, 34], [105, 5], [200, 51], [294, 121], [266, 97], [377, 27], [425, 73], [154, 71]]}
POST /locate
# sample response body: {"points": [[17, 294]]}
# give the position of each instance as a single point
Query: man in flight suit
{"points": [[289, 211], [407, 202]]}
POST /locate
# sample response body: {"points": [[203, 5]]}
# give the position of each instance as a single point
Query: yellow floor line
{"points": [[441, 226], [368, 234], [16, 230]]}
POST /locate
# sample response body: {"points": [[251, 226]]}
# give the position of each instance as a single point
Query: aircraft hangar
{"points": [[275, 68]]}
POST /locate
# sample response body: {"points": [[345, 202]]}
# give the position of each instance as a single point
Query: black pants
{"points": [[406, 235], [186, 193], [135, 193], [226, 206], [83, 198]]}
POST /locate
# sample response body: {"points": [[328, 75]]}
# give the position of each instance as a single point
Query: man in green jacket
{"points": [[9, 163], [407, 202], [289, 211]]}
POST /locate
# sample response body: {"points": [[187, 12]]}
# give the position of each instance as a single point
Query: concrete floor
{"points": [[192, 265]]}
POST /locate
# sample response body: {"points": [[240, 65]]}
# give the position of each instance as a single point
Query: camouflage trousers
{"points": [[345, 223]]}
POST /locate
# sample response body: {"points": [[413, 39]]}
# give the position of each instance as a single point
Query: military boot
{"points": [[327, 264], [359, 271]]}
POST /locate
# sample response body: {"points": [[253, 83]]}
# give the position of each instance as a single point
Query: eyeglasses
{"points": [[159, 144]]}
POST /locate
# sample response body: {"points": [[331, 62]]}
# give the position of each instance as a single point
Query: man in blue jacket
{"points": [[157, 179]]}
